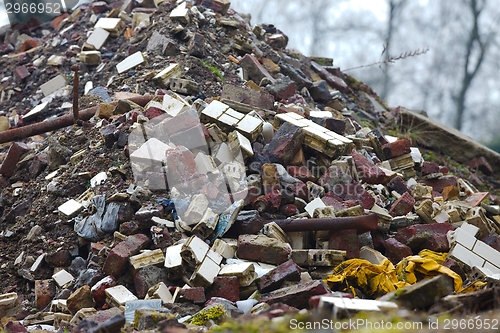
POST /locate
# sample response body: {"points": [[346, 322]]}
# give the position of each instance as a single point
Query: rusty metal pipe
{"points": [[361, 223], [62, 121]]}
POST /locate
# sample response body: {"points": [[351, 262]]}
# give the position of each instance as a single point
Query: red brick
{"points": [[153, 112], [144, 214], [15, 327], [282, 89], [260, 99], [403, 205], [16, 151], [438, 184], [301, 172], [38, 164], [99, 7], [420, 236], [194, 294], [429, 168], [262, 248], [216, 5], [287, 271], [98, 290], [285, 144], [60, 258], [181, 167], [354, 192], [45, 291], [21, 72], [296, 295], [268, 203], [319, 91], [289, 210], [481, 164], [346, 240], [147, 277], [117, 261], [298, 189], [227, 287], [367, 171], [56, 23], [254, 69], [396, 148], [332, 177], [333, 81], [395, 251], [398, 184]]}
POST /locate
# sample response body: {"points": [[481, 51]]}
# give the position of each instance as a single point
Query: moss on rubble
{"points": [[213, 313]]}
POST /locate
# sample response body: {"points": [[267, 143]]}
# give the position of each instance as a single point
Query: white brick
{"points": [[8, 300], [471, 229], [98, 37], [465, 238], [194, 250], [467, 257], [130, 62], [119, 295], [147, 258], [204, 163], [173, 257], [487, 252], [62, 278], [215, 109], [249, 124], [70, 207], [160, 291], [311, 206], [53, 85], [152, 150], [37, 110], [491, 268], [114, 25], [98, 179], [205, 273], [244, 271]]}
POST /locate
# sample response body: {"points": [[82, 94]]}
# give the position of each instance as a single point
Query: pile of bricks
{"points": [[240, 200]]}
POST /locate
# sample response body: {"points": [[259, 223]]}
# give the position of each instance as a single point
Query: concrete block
{"points": [[98, 37], [262, 248], [53, 85], [130, 62], [245, 272], [287, 271]]}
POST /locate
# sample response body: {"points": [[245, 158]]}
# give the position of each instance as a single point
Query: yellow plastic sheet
{"points": [[383, 278]]}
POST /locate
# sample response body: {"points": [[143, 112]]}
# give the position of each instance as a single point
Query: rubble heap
{"points": [[212, 174]]}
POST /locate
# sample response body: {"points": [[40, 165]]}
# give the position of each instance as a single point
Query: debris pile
{"points": [[198, 171]]}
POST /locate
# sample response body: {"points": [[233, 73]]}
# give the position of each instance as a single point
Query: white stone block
{"points": [[70, 207], [311, 206], [36, 111], [469, 258], [119, 295], [487, 252], [173, 257], [194, 251], [53, 85], [98, 179], [114, 25], [62, 278], [130, 62], [98, 37]]}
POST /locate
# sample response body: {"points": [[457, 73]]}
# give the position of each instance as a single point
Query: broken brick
{"points": [[227, 287], [194, 294], [367, 171], [263, 248], [255, 70], [429, 168], [396, 148], [403, 205], [285, 144], [296, 295], [398, 184], [16, 151], [481, 164], [45, 291], [395, 251], [287, 271], [345, 240], [419, 236], [117, 261]]}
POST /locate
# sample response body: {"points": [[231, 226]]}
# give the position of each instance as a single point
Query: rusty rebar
{"points": [[62, 121], [75, 69], [361, 223]]}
